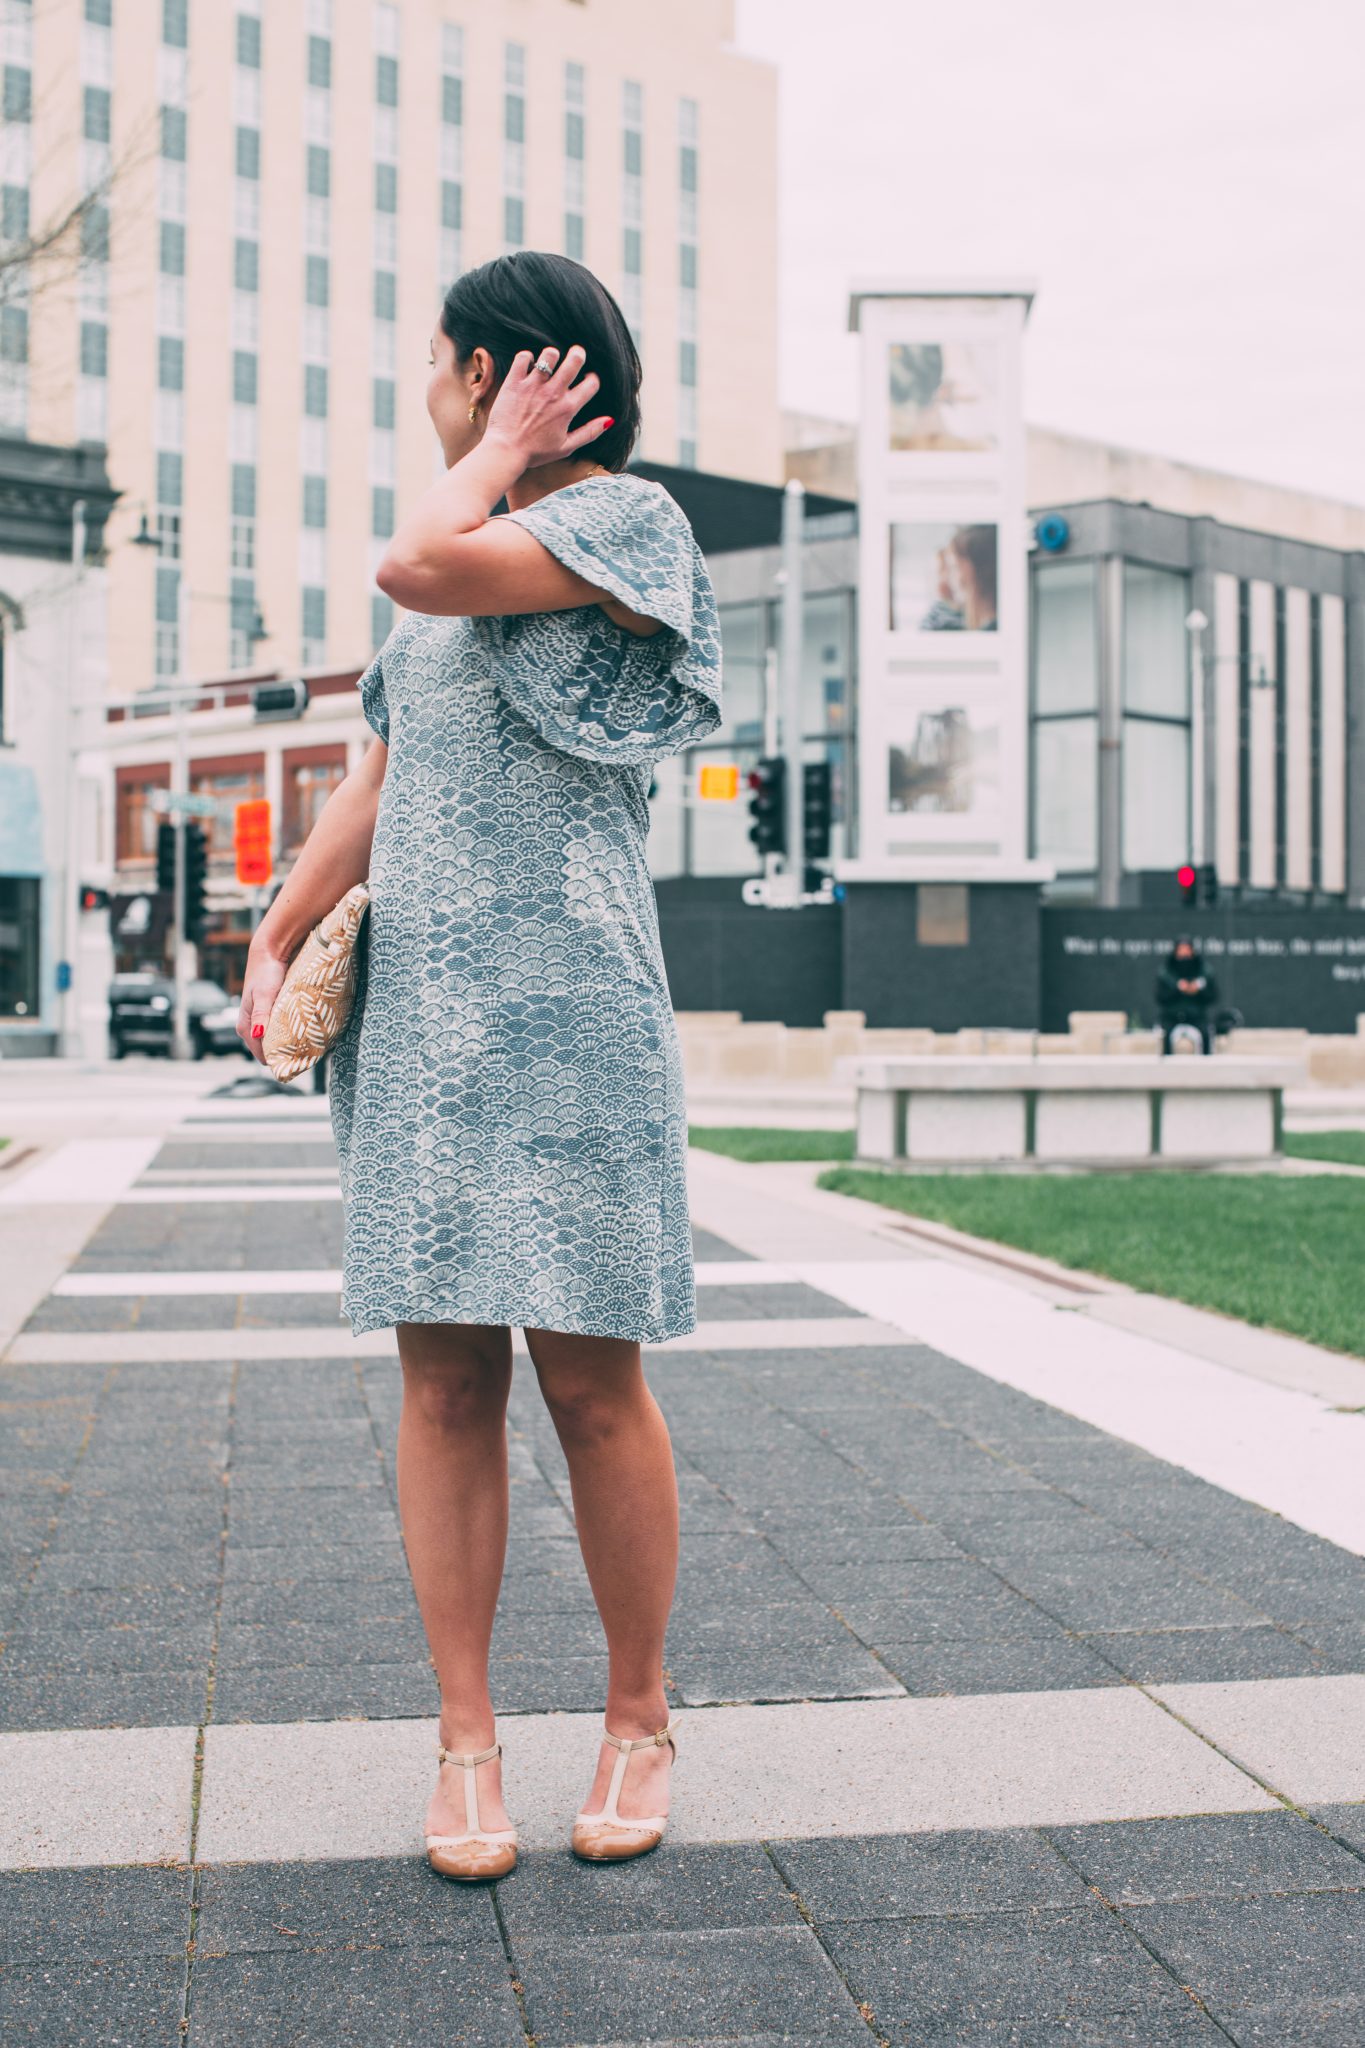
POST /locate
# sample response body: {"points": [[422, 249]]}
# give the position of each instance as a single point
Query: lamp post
{"points": [[185, 957]]}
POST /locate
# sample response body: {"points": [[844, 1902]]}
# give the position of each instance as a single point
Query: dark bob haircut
{"points": [[534, 299]]}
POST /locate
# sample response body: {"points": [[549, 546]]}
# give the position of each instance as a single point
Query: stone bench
{"points": [[1068, 1109]]}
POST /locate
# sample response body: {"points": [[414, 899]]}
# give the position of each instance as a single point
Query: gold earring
{"points": [[473, 412]]}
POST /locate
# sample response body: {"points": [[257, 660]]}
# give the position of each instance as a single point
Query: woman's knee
{"points": [[458, 1387]]}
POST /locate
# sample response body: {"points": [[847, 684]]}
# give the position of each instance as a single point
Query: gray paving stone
{"points": [[1346, 1821], [353, 1514], [102, 1699], [708, 1629], [711, 1982], [1056, 1663], [361, 1900], [676, 1888], [315, 1562], [1215, 1856], [53, 1916], [949, 1618], [305, 1692], [139, 2001], [1289, 1953], [1206, 1655], [896, 1877], [121, 1647], [131, 1522], [1340, 1644], [1338, 2024], [332, 1645], [276, 1603], [403, 1996], [946, 1978], [1123, 1589], [188, 1566], [738, 1303], [808, 1549], [812, 1671], [525, 1684], [706, 1245]]}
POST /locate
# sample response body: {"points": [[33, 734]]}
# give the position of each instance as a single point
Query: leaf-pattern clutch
{"points": [[314, 1004]]}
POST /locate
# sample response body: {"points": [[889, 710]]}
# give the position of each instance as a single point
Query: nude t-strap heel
{"points": [[478, 1852], [607, 1837]]}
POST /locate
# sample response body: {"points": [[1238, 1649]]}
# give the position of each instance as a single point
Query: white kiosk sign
{"points": [[943, 584]]}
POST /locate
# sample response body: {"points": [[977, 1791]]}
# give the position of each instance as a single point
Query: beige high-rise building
{"points": [[292, 184]]}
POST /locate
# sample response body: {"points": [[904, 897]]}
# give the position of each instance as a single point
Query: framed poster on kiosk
{"points": [[943, 583]]}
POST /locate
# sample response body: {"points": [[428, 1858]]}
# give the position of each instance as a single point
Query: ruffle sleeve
{"points": [[590, 687]]}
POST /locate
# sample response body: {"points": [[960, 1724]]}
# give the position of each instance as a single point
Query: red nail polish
{"points": [[258, 1031], [611, 423]]}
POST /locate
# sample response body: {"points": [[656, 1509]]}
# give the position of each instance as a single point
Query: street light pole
{"points": [[787, 887], [68, 922], [180, 786]]}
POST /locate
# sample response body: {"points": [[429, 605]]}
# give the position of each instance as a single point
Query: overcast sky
{"points": [[1183, 179]]}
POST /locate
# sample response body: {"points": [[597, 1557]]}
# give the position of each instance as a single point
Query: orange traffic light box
{"points": [[251, 839]]}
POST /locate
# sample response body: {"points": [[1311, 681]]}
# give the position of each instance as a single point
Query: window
{"points": [[174, 134], [452, 205], [452, 100], [381, 619], [315, 390], [385, 402], [687, 169], [634, 153], [630, 246], [13, 334], [170, 477], [573, 135], [243, 490], [573, 236], [94, 349], [244, 377], [248, 152], [386, 81], [687, 266], [175, 23], [314, 608], [319, 61], [135, 821], [381, 511], [173, 248], [229, 787], [168, 534], [170, 363], [687, 362], [1064, 649], [1155, 643], [317, 280], [513, 221], [1156, 717], [315, 501], [246, 266], [242, 546], [319, 172], [17, 93], [385, 295], [100, 13], [95, 234], [249, 41], [307, 786], [14, 213], [1066, 793], [96, 125]]}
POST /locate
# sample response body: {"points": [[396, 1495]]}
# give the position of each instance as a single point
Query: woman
{"points": [[508, 1100]]}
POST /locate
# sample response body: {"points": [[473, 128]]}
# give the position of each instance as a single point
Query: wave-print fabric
{"points": [[508, 1098]]}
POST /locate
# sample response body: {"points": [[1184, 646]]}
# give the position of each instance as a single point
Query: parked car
{"points": [[142, 1015]]}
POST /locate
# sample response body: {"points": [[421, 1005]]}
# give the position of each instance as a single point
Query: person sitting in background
{"points": [[1185, 993]]}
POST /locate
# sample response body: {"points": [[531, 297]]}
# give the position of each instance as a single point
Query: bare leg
{"points": [[625, 1498], [452, 1500]]}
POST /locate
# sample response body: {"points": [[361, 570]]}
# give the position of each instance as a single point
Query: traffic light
{"points": [[1207, 885], [1187, 881], [816, 809], [165, 855], [768, 805], [196, 871], [92, 898]]}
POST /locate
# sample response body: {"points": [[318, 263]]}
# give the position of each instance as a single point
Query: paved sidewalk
{"points": [[996, 1727]]}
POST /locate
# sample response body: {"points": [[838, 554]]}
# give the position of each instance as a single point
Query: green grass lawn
{"points": [[1346, 1148], [1281, 1252], [759, 1147]]}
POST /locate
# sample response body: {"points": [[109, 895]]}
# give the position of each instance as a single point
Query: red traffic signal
{"points": [[1185, 876]]}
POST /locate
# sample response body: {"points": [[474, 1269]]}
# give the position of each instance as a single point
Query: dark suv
{"points": [[142, 1016]]}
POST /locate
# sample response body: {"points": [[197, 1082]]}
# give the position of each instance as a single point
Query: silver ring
{"points": [[548, 369]]}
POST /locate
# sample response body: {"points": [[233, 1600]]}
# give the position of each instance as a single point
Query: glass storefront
{"points": [[20, 901]]}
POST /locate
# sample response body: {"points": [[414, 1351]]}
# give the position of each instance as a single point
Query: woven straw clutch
{"points": [[315, 1000]]}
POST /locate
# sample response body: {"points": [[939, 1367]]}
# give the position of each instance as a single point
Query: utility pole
{"points": [[786, 888], [68, 924], [180, 786]]}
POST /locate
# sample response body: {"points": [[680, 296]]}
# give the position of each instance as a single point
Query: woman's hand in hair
{"points": [[532, 411]]}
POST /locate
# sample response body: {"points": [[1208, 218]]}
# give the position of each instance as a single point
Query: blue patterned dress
{"points": [[508, 1098]]}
